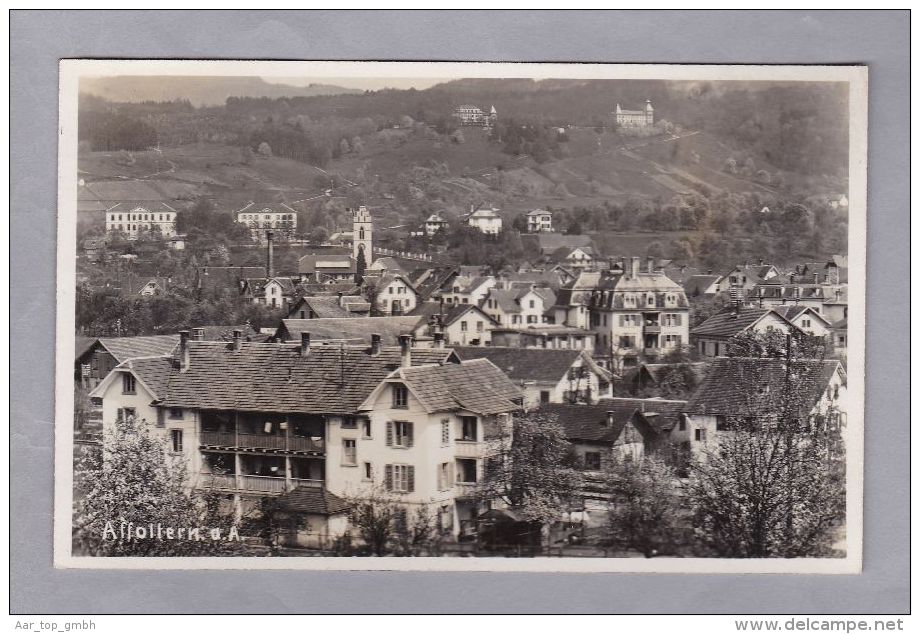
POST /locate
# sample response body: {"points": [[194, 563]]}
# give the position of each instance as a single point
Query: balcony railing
{"points": [[259, 484], [469, 449], [261, 441], [652, 329]]}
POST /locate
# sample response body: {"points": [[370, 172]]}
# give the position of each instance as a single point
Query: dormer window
{"points": [[400, 396]]}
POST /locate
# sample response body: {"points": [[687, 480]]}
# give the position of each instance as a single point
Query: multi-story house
{"points": [[485, 220], [262, 217], [435, 224], [153, 218], [429, 430], [547, 375], [255, 419], [712, 337], [539, 220], [738, 390], [806, 319], [466, 289], [746, 276], [635, 118], [638, 314], [273, 292], [515, 306], [390, 294], [552, 336]]}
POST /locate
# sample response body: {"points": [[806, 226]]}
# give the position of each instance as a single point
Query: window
{"points": [[445, 432], [479, 326], [399, 434], [806, 323], [125, 413], [592, 460], [128, 384], [400, 396], [463, 327], [175, 412], [176, 438], [468, 428], [682, 425], [466, 471], [368, 471], [531, 304], [544, 396], [444, 482], [349, 452], [400, 478], [349, 422], [366, 427], [700, 435]]}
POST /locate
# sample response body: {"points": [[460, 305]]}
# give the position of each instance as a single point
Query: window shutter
{"points": [[388, 477], [410, 434], [440, 477], [411, 478], [450, 474], [389, 434]]}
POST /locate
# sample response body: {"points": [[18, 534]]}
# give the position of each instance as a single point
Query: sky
{"points": [[362, 83]]}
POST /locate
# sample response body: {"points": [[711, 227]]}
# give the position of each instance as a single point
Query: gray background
{"points": [[38, 39]]}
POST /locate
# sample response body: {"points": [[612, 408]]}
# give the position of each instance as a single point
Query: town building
{"points": [[273, 292], [743, 390], [637, 314], [553, 336], [429, 430], [470, 115], [154, 219], [713, 337], [466, 289], [279, 218], [635, 118], [745, 277], [547, 375], [331, 267], [806, 319], [353, 331], [485, 220], [435, 224], [255, 420], [539, 221], [515, 306], [459, 324], [390, 294], [103, 354]]}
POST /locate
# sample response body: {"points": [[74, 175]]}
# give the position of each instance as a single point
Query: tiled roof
{"points": [[697, 284], [154, 372], [325, 263], [215, 277], [322, 307], [270, 207], [155, 206], [477, 386], [740, 386], [661, 414], [506, 300], [82, 345], [529, 364], [314, 500], [589, 422], [124, 348], [355, 329], [271, 377], [729, 322]]}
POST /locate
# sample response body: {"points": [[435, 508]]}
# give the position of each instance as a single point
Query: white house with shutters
{"points": [[428, 430]]}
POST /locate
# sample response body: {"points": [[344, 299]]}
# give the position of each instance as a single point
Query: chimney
{"points": [[304, 344], [816, 278], [761, 261], [183, 351], [405, 349], [375, 344], [197, 334], [270, 261], [792, 278], [634, 267], [608, 421], [438, 339], [237, 339], [650, 261]]}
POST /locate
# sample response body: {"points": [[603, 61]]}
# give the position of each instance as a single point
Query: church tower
{"points": [[363, 230]]}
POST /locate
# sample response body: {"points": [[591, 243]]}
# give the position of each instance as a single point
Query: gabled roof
{"points": [[745, 386], [276, 208], [323, 306], [506, 300], [124, 348], [312, 500], [730, 322], [589, 422], [531, 364], [153, 372], [152, 206], [793, 312], [257, 285], [270, 377], [332, 263], [352, 329], [539, 212], [697, 284], [476, 386]]}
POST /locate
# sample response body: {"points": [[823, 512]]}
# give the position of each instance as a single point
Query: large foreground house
{"points": [[255, 420]]}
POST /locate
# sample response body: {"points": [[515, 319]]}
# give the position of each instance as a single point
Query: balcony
{"points": [[261, 442], [469, 449], [254, 483], [651, 329]]}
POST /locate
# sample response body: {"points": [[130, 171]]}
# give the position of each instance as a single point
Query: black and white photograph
{"points": [[460, 316]]}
